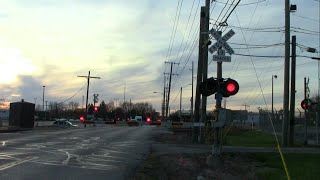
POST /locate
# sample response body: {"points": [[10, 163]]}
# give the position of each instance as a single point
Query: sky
{"points": [[126, 43]]}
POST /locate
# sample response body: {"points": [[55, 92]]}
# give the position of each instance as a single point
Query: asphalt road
{"points": [[81, 153]]}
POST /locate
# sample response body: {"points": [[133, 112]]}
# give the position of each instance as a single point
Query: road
{"points": [[81, 153]]}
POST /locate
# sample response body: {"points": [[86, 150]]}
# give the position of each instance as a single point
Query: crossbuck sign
{"points": [[221, 41]]}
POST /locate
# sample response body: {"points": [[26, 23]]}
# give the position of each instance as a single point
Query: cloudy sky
{"points": [[126, 43]]}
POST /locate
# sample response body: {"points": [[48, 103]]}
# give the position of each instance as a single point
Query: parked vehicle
{"points": [[133, 122], [136, 121], [63, 123]]}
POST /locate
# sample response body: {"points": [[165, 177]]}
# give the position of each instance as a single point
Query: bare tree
{"points": [[73, 105]]}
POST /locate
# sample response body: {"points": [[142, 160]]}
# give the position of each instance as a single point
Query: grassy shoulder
{"points": [[251, 138], [300, 166]]}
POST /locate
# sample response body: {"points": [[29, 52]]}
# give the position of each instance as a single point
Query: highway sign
{"points": [[220, 58], [221, 41]]}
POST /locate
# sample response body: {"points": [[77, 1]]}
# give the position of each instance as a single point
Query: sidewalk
{"points": [[161, 149]]}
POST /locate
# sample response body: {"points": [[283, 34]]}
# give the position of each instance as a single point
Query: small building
{"points": [[21, 114], [239, 116]]}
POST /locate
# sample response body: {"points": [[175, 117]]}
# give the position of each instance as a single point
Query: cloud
{"points": [[126, 43]]}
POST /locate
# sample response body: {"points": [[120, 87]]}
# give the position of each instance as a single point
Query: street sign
{"points": [[221, 41], [220, 58]]}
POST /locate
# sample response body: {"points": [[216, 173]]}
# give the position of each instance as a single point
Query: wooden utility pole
{"points": [[191, 113], [204, 47], [202, 70], [88, 84], [180, 114], [293, 91], [305, 111], [245, 106], [164, 97], [285, 121], [168, 97]]}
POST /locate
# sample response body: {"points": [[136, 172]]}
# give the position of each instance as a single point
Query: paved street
{"points": [[82, 153]]}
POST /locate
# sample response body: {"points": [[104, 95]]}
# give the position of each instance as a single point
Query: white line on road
{"points": [[11, 164], [65, 162]]}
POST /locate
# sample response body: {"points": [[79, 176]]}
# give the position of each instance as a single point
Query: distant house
{"points": [[4, 117], [4, 114]]}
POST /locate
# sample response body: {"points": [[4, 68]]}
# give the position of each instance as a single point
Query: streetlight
{"points": [[162, 108], [273, 76], [43, 102], [116, 99], [43, 98]]}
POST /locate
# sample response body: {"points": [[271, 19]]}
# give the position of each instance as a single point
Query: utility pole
{"points": [[196, 130], [43, 97], [286, 76], [180, 103], [45, 114], [191, 113], [245, 106], [204, 46], [293, 91], [130, 108], [164, 98], [88, 84], [168, 98], [124, 100], [305, 111]]}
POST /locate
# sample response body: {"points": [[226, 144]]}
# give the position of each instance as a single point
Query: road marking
{"points": [[12, 164], [65, 162]]}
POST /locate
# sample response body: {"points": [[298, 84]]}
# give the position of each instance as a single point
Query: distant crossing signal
{"points": [[306, 104]]}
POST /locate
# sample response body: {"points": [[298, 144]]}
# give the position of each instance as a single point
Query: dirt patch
{"points": [[186, 166], [194, 166]]}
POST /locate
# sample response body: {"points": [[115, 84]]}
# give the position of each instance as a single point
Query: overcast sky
{"points": [[50, 42]]}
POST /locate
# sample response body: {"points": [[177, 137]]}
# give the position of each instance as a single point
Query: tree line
{"points": [[106, 111]]}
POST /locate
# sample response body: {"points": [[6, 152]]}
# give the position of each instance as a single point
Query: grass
{"points": [[300, 166], [250, 138]]}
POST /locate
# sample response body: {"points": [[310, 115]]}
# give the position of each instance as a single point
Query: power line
{"points": [[220, 14], [306, 18], [185, 32], [172, 32], [225, 21], [253, 15], [193, 45], [74, 94], [246, 4], [175, 31]]}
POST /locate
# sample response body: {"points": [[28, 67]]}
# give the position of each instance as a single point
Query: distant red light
{"points": [[81, 118], [148, 119]]}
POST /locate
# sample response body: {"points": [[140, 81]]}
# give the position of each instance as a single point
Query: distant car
{"points": [[158, 122], [63, 123], [133, 122]]}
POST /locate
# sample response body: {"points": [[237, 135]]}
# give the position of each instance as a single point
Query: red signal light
{"points": [[95, 109], [229, 87], [306, 104], [148, 120], [81, 118]]}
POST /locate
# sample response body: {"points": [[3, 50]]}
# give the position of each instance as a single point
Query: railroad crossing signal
{"points": [[306, 104], [228, 87], [221, 41], [95, 98]]}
